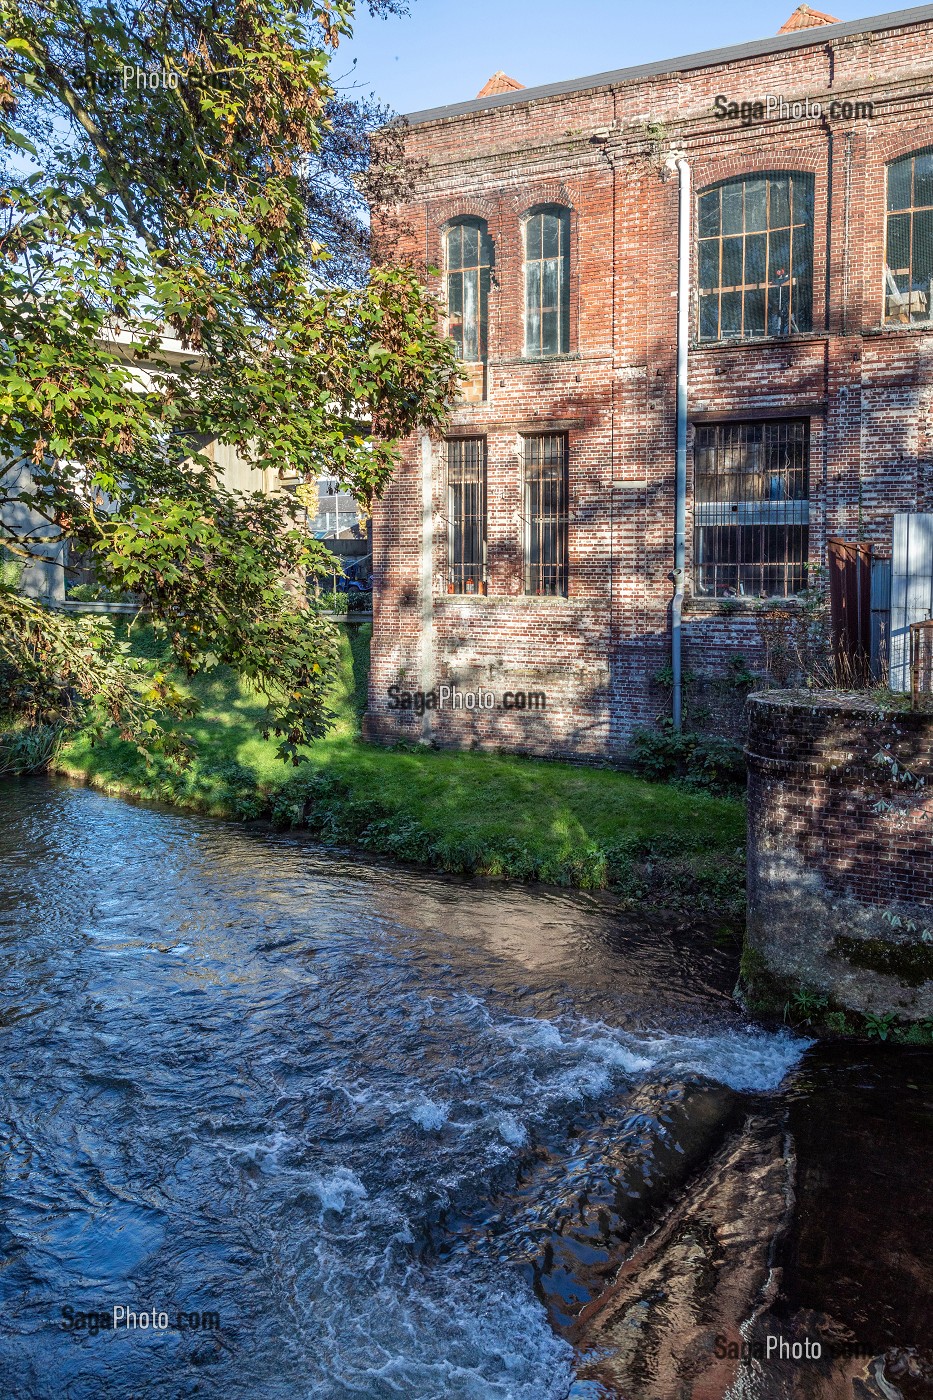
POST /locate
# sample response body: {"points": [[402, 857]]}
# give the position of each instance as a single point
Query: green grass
{"points": [[493, 814]]}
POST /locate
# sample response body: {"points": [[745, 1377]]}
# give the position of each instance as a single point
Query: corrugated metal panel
{"points": [[880, 617], [850, 609], [911, 589]]}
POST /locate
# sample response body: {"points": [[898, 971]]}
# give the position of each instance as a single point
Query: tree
{"points": [[188, 169]]}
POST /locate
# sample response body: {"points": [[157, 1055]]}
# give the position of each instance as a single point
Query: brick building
{"points": [[532, 549]]}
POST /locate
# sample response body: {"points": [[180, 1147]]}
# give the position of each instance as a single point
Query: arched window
{"points": [[908, 272], [547, 281], [469, 258], [755, 254]]}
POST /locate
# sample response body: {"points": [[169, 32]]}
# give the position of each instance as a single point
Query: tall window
{"points": [[755, 252], [547, 282], [908, 273], [466, 514], [469, 258], [751, 508], [544, 461]]}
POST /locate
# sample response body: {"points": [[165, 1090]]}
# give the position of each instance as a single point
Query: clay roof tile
{"points": [[500, 82], [805, 18]]}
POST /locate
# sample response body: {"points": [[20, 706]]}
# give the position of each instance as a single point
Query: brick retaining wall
{"points": [[840, 823]]}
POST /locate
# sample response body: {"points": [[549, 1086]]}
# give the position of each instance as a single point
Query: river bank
{"points": [[386, 1133], [500, 816]]}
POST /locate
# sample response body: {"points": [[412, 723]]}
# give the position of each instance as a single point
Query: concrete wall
{"points": [[840, 848], [43, 576], [865, 388]]}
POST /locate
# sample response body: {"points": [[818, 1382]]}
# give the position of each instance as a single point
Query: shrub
{"points": [[97, 593], [27, 748], [704, 762], [331, 601], [335, 602], [662, 753], [716, 765]]}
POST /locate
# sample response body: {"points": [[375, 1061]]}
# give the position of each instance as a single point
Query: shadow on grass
{"points": [[463, 811]]}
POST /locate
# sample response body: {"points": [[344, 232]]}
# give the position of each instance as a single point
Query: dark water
{"points": [[393, 1130]]}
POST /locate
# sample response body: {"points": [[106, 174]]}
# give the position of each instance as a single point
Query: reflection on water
{"points": [[394, 1130]]}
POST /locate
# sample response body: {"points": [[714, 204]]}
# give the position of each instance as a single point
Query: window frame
{"points": [[781, 503], [461, 574], [801, 245], [482, 268], [539, 525], [911, 210], [561, 308]]}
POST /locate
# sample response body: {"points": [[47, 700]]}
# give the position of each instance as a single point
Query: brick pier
{"points": [[840, 852]]}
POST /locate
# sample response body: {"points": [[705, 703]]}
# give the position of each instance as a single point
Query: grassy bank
{"points": [[468, 813]]}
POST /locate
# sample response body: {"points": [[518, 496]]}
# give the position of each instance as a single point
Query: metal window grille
{"points": [[469, 260], [908, 272], [545, 513], [751, 508], [466, 508], [547, 282], [755, 254]]}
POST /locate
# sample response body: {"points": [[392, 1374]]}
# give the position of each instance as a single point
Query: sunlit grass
{"points": [[508, 813]]}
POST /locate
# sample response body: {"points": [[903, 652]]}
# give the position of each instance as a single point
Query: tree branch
{"points": [[115, 168]]}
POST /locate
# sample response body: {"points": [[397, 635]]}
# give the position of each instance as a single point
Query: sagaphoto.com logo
{"points": [[773, 107], [131, 78]]}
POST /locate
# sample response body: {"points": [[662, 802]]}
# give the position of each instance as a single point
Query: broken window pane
{"points": [[923, 180], [709, 214], [709, 263], [732, 207], [756, 205], [469, 257], [550, 236], [908, 274], [761, 259], [532, 304], [900, 173], [471, 316], [779, 204], [547, 282]]}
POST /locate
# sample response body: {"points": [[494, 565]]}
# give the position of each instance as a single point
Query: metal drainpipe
{"points": [[426, 658], [680, 478]]}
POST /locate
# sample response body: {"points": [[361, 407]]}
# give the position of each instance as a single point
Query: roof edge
{"points": [[709, 58]]}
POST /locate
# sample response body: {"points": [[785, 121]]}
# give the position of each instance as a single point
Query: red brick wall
{"points": [[866, 390], [839, 819], [818, 787]]}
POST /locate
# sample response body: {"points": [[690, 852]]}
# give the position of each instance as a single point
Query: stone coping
{"points": [[842, 701]]}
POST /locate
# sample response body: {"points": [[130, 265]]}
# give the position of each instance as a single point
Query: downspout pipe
{"points": [[681, 165]]}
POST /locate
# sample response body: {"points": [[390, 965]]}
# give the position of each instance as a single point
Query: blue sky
{"points": [[444, 50]]}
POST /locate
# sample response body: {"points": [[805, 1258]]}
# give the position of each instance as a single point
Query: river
{"points": [[356, 1131]]}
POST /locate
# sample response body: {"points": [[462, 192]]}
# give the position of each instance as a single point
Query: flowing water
{"points": [[395, 1131]]}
